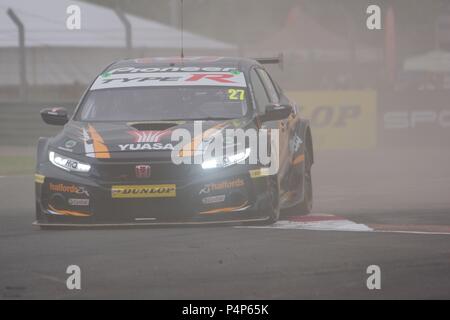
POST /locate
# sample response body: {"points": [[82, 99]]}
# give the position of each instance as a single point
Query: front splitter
{"points": [[144, 224]]}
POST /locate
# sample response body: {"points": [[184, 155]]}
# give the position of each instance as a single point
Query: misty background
{"points": [[362, 89]]}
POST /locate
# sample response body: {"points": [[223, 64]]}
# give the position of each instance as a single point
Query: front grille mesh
{"points": [[126, 172]]}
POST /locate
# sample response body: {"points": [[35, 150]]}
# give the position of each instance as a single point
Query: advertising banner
{"points": [[340, 119]]}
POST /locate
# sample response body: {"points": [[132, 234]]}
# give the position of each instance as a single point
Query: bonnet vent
{"points": [[158, 126]]}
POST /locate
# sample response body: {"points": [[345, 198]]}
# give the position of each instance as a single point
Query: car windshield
{"points": [[170, 103]]}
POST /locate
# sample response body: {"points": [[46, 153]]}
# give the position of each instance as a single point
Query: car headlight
{"points": [[67, 163], [226, 161]]}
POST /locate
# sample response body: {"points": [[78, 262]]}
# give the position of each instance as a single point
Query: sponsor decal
{"points": [[68, 189], [169, 79], [262, 172], [145, 146], [211, 187], [70, 144], [149, 135], [214, 199], [39, 178], [142, 171], [78, 202], [133, 70], [144, 191], [295, 143]]}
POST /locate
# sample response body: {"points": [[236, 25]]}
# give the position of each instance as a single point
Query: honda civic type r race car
{"points": [[113, 162]]}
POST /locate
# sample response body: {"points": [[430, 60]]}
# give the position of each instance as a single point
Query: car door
{"points": [[283, 125], [261, 98]]}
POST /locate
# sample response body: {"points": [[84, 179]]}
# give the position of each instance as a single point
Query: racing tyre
{"points": [[273, 210], [305, 206]]}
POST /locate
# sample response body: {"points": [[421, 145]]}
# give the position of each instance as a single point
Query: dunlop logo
{"points": [[144, 191]]}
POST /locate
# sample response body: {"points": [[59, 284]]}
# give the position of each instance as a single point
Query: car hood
{"points": [[114, 139]]}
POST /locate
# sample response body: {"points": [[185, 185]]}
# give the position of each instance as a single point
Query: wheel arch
{"points": [[306, 136], [42, 147]]}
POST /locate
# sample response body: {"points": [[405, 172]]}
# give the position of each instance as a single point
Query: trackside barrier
{"points": [[340, 119], [414, 119], [21, 124]]}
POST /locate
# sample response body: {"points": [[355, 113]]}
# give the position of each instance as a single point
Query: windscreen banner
{"points": [[109, 80]]}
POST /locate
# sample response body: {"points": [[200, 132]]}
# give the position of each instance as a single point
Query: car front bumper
{"points": [[229, 195]]}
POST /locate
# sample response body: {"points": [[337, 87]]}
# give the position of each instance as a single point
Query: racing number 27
{"points": [[236, 94]]}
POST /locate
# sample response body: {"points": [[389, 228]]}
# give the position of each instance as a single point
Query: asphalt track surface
{"points": [[400, 190]]}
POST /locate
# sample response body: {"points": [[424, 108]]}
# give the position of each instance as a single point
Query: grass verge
{"points": [[16, 165]]}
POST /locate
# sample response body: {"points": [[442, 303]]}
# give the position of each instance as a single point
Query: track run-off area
{"points": [[389, 208]]}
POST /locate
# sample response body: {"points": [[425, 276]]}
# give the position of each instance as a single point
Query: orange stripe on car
{"points": [[189, 149], [69, 212], [100, 149], [228, 209], [299, 159]]}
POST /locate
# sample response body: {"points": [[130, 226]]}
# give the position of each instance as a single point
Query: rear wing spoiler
{"points": [[272, 60]]}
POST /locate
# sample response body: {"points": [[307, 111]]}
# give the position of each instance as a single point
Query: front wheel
{"points": [[305, 206], [273, 209], [273, 204]]}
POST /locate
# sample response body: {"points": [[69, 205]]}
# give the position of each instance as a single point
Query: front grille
{"points": [[126, 172]]}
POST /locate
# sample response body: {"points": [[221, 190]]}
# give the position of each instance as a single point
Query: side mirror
{"points": [[55, 116], [275, 112]]}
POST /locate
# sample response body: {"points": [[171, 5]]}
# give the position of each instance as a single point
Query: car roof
{"points": [[242, 64]]}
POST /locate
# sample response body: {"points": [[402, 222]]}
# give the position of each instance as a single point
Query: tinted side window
{"points": [[261, 98], [273, 94]]}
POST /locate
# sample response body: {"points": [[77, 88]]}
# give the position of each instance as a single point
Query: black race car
{"points": [[113, 162]]}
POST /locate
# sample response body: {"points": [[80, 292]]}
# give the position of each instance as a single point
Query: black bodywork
{"points": [[86, 199]]}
